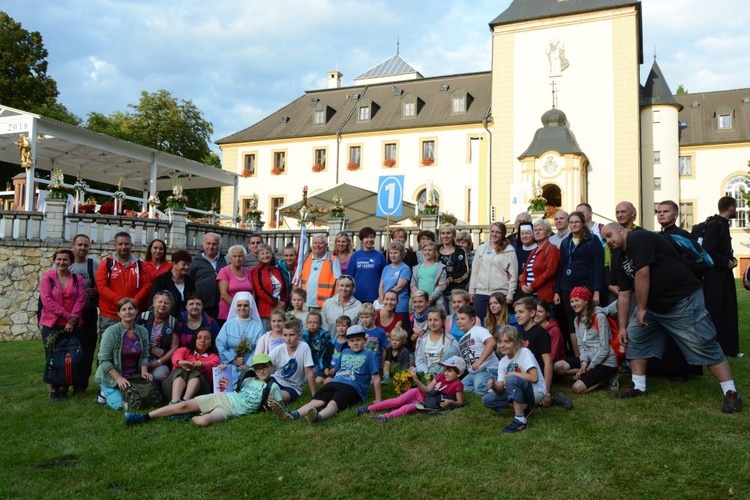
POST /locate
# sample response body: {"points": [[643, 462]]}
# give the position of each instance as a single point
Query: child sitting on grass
{"points": [[293, 363], [249, 398], [355, 371], [597, 363], [435, 345], [450, 389], [299, 297], [519, 380], [397, 353], [275, 337], [318, 339], [335, 347]]}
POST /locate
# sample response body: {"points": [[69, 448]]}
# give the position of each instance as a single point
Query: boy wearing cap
{"points": [[213, 408], [446, 385], [356, 369]]}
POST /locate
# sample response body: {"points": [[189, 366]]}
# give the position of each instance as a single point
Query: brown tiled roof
{"points": [[699, 117], [296, 119]]}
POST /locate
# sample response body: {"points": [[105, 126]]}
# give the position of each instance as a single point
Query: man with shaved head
{"points": [[669, 302]]}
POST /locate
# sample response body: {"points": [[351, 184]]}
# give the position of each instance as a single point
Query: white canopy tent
{"points": [[360, 206], [102, 158]]}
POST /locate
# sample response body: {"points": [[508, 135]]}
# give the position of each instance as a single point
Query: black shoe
{"points": [[80, 391], [631, 392], [732, 402], [560, 399], [62, 394], [52, 398]]}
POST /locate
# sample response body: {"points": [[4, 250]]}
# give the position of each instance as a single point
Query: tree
{"points": [[162, 122], [24, 83], [681, 90]]}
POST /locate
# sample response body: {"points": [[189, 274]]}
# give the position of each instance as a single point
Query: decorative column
{"points": [[55, 218], [336, 225], [178, 228], [429, 223]]}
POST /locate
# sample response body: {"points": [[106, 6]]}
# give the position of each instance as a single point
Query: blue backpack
{"points": [[693, 255]]}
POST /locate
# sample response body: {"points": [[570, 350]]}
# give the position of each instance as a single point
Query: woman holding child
{"points": [[63, 296]]}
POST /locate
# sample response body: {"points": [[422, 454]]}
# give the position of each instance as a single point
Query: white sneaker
{"points": [[101, 399]]}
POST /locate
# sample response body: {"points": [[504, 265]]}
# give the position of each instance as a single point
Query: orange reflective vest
{"points": [[326, 280]]}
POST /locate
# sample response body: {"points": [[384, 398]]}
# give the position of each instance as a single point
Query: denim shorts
{"points": [[689, 324]]}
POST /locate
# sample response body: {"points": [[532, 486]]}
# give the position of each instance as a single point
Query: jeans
{"points": [[477, 382], [516, 390]]}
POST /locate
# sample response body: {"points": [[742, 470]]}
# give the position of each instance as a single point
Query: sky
{"points": [[240, 60]]}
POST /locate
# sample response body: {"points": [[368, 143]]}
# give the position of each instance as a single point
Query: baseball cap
{"points": [[355, 330], [456, 362]]}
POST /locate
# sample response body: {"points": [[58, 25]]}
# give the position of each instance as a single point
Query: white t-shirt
{"points": [[433, 351], [471, 346], [522, 362], [290, 370]]}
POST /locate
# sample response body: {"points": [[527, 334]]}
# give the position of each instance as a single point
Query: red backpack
{"points": [[614, 342]]}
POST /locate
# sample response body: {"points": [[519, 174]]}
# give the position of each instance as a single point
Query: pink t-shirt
{"points": [[236, 284], [449, 388]]}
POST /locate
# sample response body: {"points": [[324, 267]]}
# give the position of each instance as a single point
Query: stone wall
{"points": [[21, 267]]}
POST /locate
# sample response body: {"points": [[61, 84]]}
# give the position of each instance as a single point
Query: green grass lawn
{"points": [[675, 443]]}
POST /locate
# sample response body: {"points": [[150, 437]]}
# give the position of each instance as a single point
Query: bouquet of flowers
{"points": [[242, 347], [538, 203], [337, 209], [57, 190], [80, 186], [119, 194], [154, 200], [178, 200], [253, 214], [402, 381]]}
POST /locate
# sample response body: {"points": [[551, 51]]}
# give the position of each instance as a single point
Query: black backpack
{"points": [[66, 363], [696, 232], [40, 306]]}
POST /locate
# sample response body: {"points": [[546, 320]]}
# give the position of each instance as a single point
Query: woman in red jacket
{"points": [[268, 284], [538, 274]]}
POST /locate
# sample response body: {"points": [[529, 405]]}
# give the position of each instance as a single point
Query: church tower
{"points": [[590, 52], [660, 139]]}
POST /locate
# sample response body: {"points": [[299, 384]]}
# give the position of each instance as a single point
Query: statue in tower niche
{"points": [[24, 146], [556, 55]]}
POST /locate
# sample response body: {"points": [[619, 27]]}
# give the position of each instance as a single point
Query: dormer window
{"points": [[364, 113], [321, 113], [723, 117], [460, 100], [410, 107]]}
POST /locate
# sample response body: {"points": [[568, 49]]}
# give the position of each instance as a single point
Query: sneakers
{"points": [[515, 425], [732, 403], [135, 418], [362, 410], [386, 379], [614, 382], [101, 399], [281, 411], [380, 419], [560, 399], [312, 416], [183, 417], [631, 392]]}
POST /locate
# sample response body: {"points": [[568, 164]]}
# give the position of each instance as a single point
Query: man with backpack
{"points": [[85, 266], [121, 275], [669, 302], [718, 284]]}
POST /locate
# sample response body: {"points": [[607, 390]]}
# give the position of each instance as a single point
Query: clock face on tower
{"points": [[550, 165]]}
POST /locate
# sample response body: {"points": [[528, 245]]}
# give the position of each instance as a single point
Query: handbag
{"points": [[141, 394], [433, 399]]}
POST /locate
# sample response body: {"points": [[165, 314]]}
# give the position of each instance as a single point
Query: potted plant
{"points": [[337, 209], [318, 167], [538, 203], [389, 162], [57, 189], [277, 170], [248, 172], [352, 165], [428, 161], [253, 214], [178, 200]]}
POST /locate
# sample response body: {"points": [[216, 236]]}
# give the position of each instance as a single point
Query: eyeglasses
{"points": [[262, 368]]}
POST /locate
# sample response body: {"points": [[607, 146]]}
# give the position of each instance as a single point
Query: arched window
{"points": [[422, 198], [738, 187]]}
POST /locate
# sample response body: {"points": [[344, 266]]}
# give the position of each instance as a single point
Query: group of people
{"points": [[501, 322]]}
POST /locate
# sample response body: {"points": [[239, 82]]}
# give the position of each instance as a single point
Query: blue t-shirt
{"points": [[338, 347], [375, 341], [366, 268], [356, 369], [390, 277], [317, 345]]}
